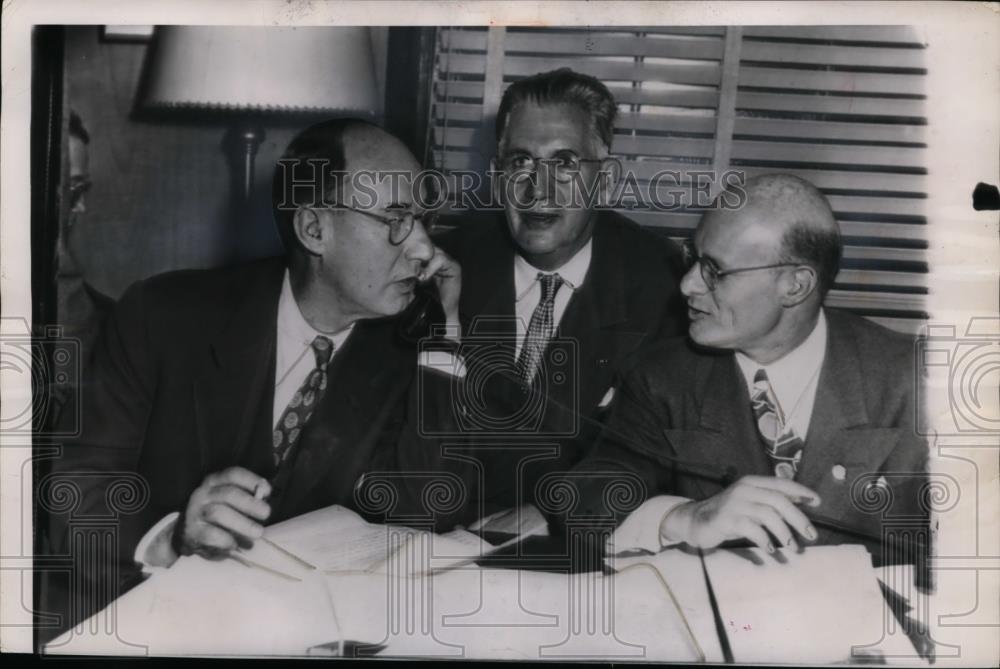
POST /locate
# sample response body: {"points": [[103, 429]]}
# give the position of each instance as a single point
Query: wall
{"points": [[160, 190]]}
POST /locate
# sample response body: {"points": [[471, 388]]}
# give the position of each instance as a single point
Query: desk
{"points": [[200, 607]]}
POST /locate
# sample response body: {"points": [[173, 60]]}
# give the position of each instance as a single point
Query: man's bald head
{"points": [[303, 176], [801, 218]]}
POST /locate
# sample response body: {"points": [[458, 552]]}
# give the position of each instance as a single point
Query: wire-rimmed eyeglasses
{"points": [[400, 226], [710, 272], [562, 164]]}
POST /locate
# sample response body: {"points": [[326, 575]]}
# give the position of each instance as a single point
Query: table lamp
{"points": [[249, 75]]}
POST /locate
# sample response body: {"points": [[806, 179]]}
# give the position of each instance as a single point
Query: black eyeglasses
{"points": [[710, 272], [400, 226]]}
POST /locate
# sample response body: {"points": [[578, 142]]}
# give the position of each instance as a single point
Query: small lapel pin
{"points": [[839, 472]]}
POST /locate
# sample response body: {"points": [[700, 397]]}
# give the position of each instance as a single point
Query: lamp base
{"points": [[241, 142]]}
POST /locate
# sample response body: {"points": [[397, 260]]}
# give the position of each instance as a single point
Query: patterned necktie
{"points": [[539, 330], [300, 408], [783, 447]]}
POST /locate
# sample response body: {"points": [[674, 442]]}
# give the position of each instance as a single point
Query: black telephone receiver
{"points": [[419, 318]]}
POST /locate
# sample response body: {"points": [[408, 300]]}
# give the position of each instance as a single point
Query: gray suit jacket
{"points": [[681, 424]]}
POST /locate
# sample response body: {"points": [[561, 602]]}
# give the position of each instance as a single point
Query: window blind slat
{"points": [[878, 34], [598, 44], [749, 102], [910, 280], [703, 96], [854, 181], [863, 253], [900, 206], [603, 69], [654, 146], [853, 83], [893, 157], [858, 56], [854, 299], [517, 67], [665, 123], [829, 130]]}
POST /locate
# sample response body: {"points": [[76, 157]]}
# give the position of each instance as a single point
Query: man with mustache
{"points": [[557, 292], [238, 397], [779, 420]]}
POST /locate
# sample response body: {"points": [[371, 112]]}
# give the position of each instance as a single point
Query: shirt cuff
{"points": [[155, 550], [641, 529], [445, 362]]}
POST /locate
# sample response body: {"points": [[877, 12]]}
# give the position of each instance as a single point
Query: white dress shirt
{"points": [[294, 357], [794, 378], [528, 289], [294, 361]]}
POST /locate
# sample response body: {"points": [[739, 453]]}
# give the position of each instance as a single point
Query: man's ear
{"points": [[609, 176], [801, 283], [309, 231]]}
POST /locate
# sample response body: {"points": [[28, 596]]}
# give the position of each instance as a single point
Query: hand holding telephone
{"points": [[423, 315], [435, 299]]}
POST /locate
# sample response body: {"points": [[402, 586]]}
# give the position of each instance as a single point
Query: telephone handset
{"points": [[419, 318]]}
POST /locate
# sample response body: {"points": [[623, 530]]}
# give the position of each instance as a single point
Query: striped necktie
{"points": [[540, 330]]}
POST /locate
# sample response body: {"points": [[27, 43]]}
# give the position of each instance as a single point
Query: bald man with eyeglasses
{"points": [[238, 397], [778, 420]]}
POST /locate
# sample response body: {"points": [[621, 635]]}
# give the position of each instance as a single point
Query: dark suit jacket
{"points": [[682, 425], [629, 298], [181, 385]]}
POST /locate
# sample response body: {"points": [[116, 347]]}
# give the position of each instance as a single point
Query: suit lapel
{"points": [[593, 311], [487, 302], [235, 384], [725, 445], [337, 445], [839, 430], [601, 301]]}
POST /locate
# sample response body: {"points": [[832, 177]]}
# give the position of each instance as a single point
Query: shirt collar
{"points": [[792, 373], [294, 331], [573, 271]]}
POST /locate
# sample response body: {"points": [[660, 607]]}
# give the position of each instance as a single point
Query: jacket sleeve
{"points": [[93, 496], [621, 472]]}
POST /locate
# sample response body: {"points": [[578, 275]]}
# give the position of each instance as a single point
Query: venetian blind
{"points": [[841, 106]]}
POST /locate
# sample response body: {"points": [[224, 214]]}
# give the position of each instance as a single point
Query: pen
{"points": [[288, 553], [246, 562]]}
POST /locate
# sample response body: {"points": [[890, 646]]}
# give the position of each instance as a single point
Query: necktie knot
{"points": [[550, 286], [323, 349]]}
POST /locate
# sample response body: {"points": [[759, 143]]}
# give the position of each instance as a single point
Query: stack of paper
{"points": [[818, 606], [516, 615], [203, 607], [336, 539]]}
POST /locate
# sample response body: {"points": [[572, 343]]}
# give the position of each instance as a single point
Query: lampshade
{"points": [[265, 69]]}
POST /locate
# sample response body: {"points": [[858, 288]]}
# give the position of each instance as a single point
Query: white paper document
{"points": [[337, 539], [515, 615], [820, 606]]}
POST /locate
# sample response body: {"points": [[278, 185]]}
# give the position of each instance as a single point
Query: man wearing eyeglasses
{"points": [[238, 397], [557, 291], [779, 421]]}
